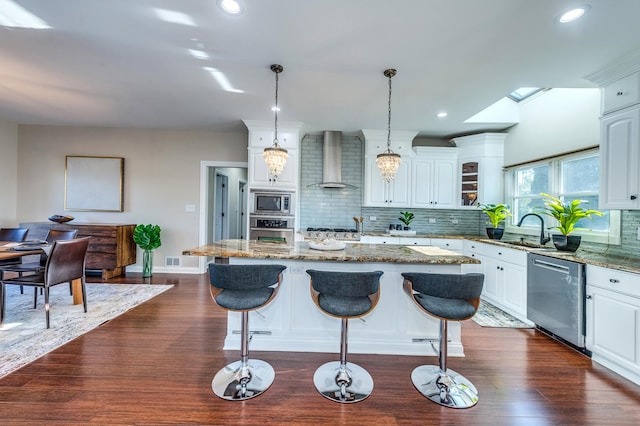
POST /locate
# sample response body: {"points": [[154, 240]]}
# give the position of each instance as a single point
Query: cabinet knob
{"points": [[589, 297], [633, 197], [613, 280]]}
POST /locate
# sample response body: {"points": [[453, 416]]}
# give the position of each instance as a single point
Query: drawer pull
{"points": [[613, 280], [633, 197], [620, 93]]}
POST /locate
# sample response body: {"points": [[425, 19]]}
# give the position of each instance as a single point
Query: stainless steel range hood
{"points": [[332, 161]]}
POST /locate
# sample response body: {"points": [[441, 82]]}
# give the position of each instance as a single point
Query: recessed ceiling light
{"points": [[232, 7], [573, 14], [441, 114]]}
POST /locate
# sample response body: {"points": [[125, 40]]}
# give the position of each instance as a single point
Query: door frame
{"points": [[203, 230]]}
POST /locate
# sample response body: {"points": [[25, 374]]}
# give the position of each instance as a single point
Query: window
{"points": [[569, 177]]}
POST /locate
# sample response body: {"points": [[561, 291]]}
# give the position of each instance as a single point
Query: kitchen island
{"points": [[293, 323]]}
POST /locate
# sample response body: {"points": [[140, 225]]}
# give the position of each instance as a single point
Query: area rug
{"points": [[492, 316], [24, 336]]}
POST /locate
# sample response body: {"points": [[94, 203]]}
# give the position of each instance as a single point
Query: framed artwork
{"points": [[94, 183]]}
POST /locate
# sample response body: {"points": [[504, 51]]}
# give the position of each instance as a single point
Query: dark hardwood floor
{"points": [[154, 365]]}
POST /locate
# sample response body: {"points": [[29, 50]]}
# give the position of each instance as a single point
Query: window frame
{"points": [[612, 237]]}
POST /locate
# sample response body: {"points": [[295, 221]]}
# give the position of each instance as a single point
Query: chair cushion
{"points": [[243, 300], [450, 309], [344, 306]]}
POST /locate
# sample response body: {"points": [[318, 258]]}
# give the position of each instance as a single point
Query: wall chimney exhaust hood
{"points": [[332, 161]]}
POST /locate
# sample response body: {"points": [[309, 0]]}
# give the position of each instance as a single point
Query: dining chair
{"points": [[32, 267], [12, 235], [65, 263]]}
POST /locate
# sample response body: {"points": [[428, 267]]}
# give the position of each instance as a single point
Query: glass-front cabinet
{"points": [[469, 183]]}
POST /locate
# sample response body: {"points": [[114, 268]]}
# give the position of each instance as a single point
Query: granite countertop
{"points": [[623, 263], [353, 252]]}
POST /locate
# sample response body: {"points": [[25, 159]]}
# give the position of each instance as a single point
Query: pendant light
{"points": [[388, 162], [275, 156]]}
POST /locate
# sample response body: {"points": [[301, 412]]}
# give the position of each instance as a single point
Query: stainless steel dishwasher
{"points": [[555, 297]]}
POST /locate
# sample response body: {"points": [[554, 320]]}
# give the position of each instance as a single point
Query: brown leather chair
{"points": [[65, 263], [20, 267], [12, 235]]}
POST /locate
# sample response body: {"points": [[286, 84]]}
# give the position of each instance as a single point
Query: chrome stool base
{"points": [[451, 389], [237, 383], [358, 383]]}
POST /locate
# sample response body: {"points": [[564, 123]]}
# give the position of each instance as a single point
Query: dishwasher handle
{"points": [[551, 266]]}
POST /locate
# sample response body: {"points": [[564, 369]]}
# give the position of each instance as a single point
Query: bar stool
{"points": [[243, 288], [448, 297], [344, 295]]}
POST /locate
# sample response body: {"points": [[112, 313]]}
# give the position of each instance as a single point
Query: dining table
{"points": [[12, 250]]}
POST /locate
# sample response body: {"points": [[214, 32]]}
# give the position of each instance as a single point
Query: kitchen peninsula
{"points": [[293, 323]]}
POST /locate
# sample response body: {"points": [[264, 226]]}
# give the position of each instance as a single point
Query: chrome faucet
{"points": [[543, 240]]}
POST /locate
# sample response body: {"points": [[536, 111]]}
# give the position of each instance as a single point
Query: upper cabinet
{"points": [[377, 192], [261, 137], [619, 134], [434, 178], [480, 176], [619, 159]]}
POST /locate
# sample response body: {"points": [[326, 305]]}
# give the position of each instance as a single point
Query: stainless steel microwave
{"points": [[279, 203]]}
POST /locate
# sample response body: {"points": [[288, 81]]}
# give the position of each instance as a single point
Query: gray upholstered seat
{"points": [[244, 288], [448, 297], [344, 295]]}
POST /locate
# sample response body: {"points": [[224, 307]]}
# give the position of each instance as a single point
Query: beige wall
{"points": [[8, 173], [162, 175], [555, 122]]}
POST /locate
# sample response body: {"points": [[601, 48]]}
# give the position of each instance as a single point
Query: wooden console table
{"points": [[111, 247]]}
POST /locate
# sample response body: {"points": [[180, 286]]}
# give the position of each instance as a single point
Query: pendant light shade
{"points": [[275, 156], [388, 162]]}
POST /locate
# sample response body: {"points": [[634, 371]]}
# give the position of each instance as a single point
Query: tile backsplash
{"points": [[335, 208]]}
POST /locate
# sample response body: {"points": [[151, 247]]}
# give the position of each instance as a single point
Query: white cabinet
{"points": [[505, 281], [378, 193], [260, 137], [613, 320], [480, 161], [621, 93], [619, 138], [619, 159], [472, 249], [376, 239], [259, 173], [452, 244], [433, 178]]}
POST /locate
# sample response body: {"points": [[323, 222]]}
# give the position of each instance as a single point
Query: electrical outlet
{"points": [[373, 218], [432, 221], [454, 221], [638, 237]]}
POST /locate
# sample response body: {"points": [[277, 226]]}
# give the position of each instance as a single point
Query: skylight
{"points": [[175, 17], [523, 93], [15, 16]]}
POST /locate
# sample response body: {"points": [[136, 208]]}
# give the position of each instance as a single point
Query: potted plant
{"points": [[567, 214], [406, 218], [147, 237], [497, 213]]}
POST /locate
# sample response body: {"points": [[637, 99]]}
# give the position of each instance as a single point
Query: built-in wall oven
{"points": [[279, 229], [556, 297]]}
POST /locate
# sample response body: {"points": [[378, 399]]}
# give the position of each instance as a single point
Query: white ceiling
{"points": [[115, 63]]}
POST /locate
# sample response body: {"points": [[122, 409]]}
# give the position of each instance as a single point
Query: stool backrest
{"points": [[345, 284], [447, 286], [14, 235], [244, 277], [66, 261]]}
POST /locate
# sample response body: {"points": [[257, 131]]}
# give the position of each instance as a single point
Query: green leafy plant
{"points": [[147, 237], [567, 214], [406, 218], [496, 213]]}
